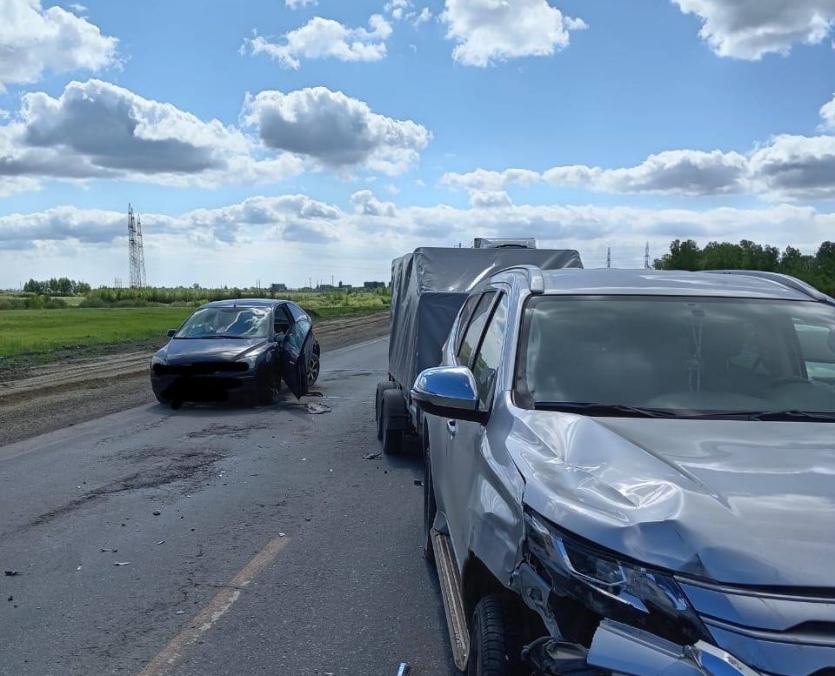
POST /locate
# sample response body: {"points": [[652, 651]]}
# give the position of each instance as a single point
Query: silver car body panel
{"points": [[737, 503]]}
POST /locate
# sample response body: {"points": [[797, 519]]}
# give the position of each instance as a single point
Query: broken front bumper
{"points": [[620, 649]]}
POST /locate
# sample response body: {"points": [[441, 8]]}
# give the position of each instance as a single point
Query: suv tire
{"points": [[495, 639]]}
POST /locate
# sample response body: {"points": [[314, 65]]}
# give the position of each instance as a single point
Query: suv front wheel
{"points": [[495, 639]]}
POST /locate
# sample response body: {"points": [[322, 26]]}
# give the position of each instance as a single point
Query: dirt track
{"points": [[63, 394]]}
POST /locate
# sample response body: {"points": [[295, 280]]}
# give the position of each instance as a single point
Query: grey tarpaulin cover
{"points": [[429, 286]]}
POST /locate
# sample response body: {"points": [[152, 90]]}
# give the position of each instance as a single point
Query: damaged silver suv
{"points": [[634, 472]]}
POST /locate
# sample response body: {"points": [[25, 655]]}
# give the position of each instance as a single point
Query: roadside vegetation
{"points": [[36, 325], [817, 270]]}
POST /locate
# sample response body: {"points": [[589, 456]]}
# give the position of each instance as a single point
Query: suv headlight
{"points": [[611, 587]]}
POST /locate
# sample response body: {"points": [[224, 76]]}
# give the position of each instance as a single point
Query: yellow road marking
{"points": [[173, 653]]}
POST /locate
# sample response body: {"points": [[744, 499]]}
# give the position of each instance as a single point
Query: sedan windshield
{"points": [[640, 356], [226, 322]]}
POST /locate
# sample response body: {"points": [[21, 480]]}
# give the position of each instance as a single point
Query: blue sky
{"points": [[263, 141]]}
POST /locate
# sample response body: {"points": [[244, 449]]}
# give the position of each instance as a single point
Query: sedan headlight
{"points": [[611, 587]]}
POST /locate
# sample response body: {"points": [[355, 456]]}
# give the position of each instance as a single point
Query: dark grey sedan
{"points": [[237, 349]]}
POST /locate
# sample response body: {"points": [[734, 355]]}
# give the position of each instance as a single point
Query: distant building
{"points": [[374, 285], [278, 287], [326, 287]]}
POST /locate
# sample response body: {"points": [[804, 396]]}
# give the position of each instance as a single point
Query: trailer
{"points": [[429, 286]]}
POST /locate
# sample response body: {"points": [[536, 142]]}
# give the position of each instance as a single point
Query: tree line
{"points": [[816, 269], [61, 286]]}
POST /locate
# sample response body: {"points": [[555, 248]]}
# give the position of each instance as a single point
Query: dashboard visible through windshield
{"points": [[677, 356]]}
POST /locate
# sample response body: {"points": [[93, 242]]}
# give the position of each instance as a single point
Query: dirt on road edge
{"points": [[65, 401]]}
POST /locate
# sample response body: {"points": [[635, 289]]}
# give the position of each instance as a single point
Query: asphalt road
{"points": [[255, 541]]}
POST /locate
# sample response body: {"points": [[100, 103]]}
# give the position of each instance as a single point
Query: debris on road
{"points": [[161, 542], [404, 669], [105, 550], [11, 573], [156, 512], [418, 482], [282, 535], [371, 456], [122, 563], [315, 409]]}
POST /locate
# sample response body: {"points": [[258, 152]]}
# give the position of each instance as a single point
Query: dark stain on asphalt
{"points": [[217, 430], [189, 467]]}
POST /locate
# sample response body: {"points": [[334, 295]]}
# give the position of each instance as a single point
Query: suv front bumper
{"points": [[620, 649]]}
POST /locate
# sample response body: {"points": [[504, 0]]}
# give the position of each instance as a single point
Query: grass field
{"points": [[38, 331]]}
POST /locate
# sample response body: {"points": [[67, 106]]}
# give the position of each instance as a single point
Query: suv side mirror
{"points": [[449, 392], [172, 333]]}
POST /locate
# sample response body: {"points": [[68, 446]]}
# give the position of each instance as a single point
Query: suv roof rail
{"points": [[535, 278], [786, 281]]}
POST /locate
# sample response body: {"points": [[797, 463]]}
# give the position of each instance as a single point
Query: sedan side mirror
{"points": [[449, 392], [172, 333]]}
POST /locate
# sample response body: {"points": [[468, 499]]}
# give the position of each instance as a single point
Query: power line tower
{"points": [[646, 257], [136, 250]]}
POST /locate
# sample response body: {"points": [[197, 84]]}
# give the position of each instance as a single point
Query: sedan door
{"points": [[295, 355]]}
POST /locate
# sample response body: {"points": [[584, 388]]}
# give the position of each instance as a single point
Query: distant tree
{"points": [[683, 256], [817, 270]]}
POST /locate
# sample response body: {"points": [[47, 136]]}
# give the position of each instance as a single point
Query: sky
{"points": [[285, 140]]}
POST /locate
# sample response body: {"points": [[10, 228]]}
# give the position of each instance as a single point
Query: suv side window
{"points": [[470, 343], [486, 363], [466, 313]]}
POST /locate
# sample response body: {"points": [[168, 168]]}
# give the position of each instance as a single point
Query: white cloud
{"points": [[787, 167], [828, 115], [34, 40], [300, 218], [489, 199], [335, 130], [485, 180], [325, 38], [366, 204], [95, 129], [295, 4], [487, 31], [750, 29], [400, 10], [685, 172], [795, 166], [238, 243]]}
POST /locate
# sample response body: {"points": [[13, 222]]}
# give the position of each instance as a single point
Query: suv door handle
{"points": [[451, 427]]}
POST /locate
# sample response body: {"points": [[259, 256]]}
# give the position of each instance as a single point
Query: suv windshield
{"points": [[678, 357], [226, 322]]}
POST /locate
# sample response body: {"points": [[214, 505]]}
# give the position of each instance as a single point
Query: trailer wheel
{"points": [[394, 420], [378, 405], [495, 639]]}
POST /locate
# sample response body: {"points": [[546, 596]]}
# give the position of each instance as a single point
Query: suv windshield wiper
{"points": [[603, 410], [214, 336], [788, 416]]}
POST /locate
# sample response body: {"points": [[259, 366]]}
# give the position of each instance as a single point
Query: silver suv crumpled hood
{"points": [[737, 502]]}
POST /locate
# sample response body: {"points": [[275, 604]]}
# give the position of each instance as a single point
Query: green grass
{"points": [[39, 331]]}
